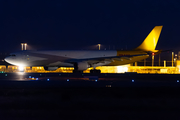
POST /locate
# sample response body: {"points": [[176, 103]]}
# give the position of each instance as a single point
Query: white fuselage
{"points": [[54, 58]]}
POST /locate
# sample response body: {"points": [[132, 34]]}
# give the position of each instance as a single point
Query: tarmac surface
{"points": [[89, 80], [89, 96]]}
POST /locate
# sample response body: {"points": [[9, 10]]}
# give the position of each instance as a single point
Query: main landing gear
{"points": [[77, 71], [82, 66], [91, 71], [95, 71]]}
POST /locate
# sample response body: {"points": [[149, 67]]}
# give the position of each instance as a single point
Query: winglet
{"points": [[149, 44]]}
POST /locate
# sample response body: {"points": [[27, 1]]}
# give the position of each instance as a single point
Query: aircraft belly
{"points": [[61, 64], [50, 63]]}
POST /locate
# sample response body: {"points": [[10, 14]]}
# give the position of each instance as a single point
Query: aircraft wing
{"points": [[104, 59]]}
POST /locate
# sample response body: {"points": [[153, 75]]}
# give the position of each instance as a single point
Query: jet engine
{"points": [[50, 68], [81, 66]]}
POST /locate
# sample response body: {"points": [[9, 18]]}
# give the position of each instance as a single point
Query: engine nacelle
{"points": [[81, 66], [51, 68]]}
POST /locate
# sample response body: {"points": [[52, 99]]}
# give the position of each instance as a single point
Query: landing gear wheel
{"points": [[46, 68], [95, 71], [77, 71]]}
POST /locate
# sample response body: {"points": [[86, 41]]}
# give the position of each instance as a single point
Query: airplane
{"points": [[83, 59]]}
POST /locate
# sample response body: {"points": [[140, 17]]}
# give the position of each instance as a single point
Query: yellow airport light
{"points": [[152, 59], [175, 61], [172, 58], [164, 63], [135, 64]]}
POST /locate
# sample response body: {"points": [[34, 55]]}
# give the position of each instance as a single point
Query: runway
{"points": [[90, 80], [89, 96]]}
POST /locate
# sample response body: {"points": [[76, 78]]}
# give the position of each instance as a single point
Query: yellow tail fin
{"points": [[149, 44]]}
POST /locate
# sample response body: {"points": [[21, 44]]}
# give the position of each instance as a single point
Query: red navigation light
{"points": [[152, 53]]}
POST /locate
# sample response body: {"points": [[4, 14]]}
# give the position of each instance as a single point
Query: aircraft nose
{"points": [[8, 59]]}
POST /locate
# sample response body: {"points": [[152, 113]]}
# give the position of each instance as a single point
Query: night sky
{"points": [[82, 24]]}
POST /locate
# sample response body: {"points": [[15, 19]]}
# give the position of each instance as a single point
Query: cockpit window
{"points": [[12, 55]]}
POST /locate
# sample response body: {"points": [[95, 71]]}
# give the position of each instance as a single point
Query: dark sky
{"points": [[79, 24]]}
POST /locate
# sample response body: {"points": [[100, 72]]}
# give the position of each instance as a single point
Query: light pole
{"points": [[164, 63], [22, 46], [99, 46], [175, 60], [152, 59], [172, 58], [25, 44]]}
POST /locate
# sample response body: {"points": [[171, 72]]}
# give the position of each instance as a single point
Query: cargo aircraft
{"points": [[83, 59]]}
